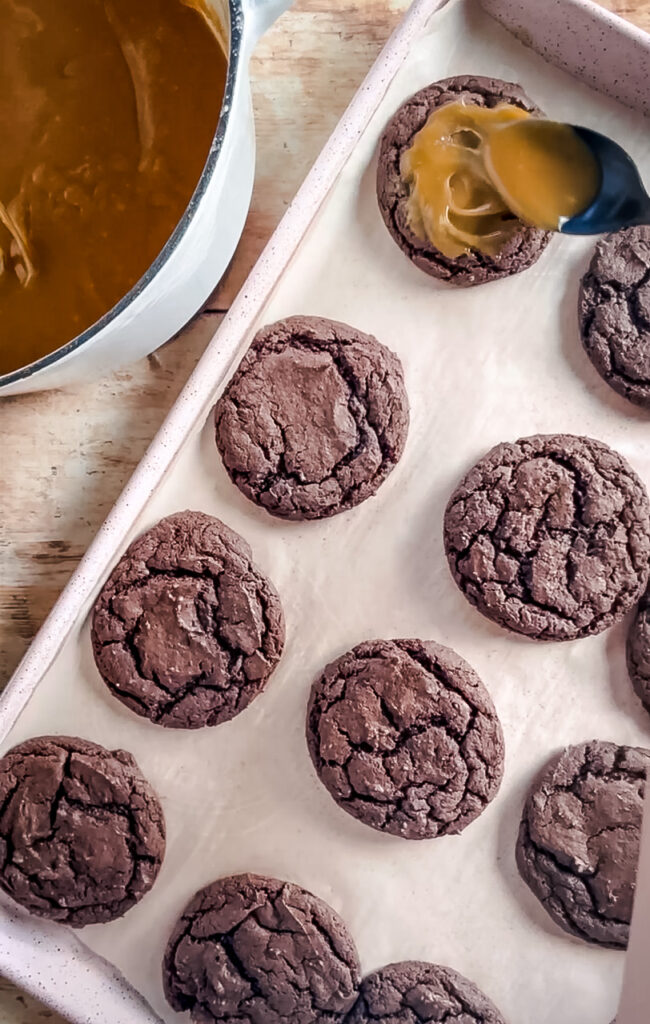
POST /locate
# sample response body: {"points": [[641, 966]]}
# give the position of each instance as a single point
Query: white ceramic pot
{"points": [[190, 265]]}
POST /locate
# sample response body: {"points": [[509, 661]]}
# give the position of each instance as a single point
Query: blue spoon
{"points": [[621, 201]]}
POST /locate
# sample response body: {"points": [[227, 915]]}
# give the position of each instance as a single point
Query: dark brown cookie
{"points": [[579, 837], [253, 949], [187, 630], [525, 246], [405, 737], [82, 835], [614, 309], [638, 650], [550, 536], [314, 419], [413, 991]]}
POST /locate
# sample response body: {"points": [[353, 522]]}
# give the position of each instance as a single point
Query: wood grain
{"points": [[66, 455], [637, 11]]}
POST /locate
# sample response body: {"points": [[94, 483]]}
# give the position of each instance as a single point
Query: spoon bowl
{"points": [[621, 200]]}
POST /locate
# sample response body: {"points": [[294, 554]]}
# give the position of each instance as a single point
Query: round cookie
{"points": [[412, 991], [579, 838], [405, 737], [550, 536], [314, 419], [638, 650], [187, 630], [526, 245], [614, 311], [82, 834], [249, 948]]}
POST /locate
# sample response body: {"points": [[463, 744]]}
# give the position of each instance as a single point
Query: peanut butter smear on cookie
{"points": [[473, 171], [453, 203], [108, 109]]}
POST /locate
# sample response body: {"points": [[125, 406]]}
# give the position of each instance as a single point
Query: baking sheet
{"points": [[482, 365]]}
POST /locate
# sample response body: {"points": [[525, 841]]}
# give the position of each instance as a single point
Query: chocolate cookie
{"points": [[253, 949], [525, 246], [579, 837], [638, 650], [82, 835], [614, 311], [405, 737], [550, 536], [187, 630], [314, 419], [413, 991]]}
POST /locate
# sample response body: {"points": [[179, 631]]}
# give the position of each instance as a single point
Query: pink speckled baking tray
{"points": [[80, 974]]}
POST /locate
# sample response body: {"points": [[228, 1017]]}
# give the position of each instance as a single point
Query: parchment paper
{"points": [[482, 365]]}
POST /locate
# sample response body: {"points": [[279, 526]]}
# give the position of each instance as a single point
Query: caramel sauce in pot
{"points": [[108, 109]]}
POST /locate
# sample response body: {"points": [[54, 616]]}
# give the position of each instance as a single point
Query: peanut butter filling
{"points": [[475, 173], [452, 202]]}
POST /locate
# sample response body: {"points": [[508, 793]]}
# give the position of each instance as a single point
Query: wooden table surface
{"points": [[66, 455]]}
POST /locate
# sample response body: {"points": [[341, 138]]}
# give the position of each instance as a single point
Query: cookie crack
{"points": [[237, 679], [104, 812], [409, 792], [269, 437], [597, 293], [561, 878], [359, 411], [579, 531], [420, 999], [284, 965], [573, 877]]}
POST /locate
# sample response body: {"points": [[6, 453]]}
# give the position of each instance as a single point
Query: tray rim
{"points": [[19, 931]]}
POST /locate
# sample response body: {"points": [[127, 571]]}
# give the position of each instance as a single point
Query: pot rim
{"points": [[235, 52]]}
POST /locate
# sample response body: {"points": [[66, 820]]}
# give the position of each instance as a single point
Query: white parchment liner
{"points": [[482, 365]]}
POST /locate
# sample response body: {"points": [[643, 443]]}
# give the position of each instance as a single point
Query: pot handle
{"points": [[259, 15]]}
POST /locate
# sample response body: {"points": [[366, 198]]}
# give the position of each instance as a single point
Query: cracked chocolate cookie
{"points": [[249, 948], [405, 737], [550, 536], [187, 630], [412, 991], [638, 650], [579, 837], [314, 419], [520, 251], [614, 309], [82, 835]]}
